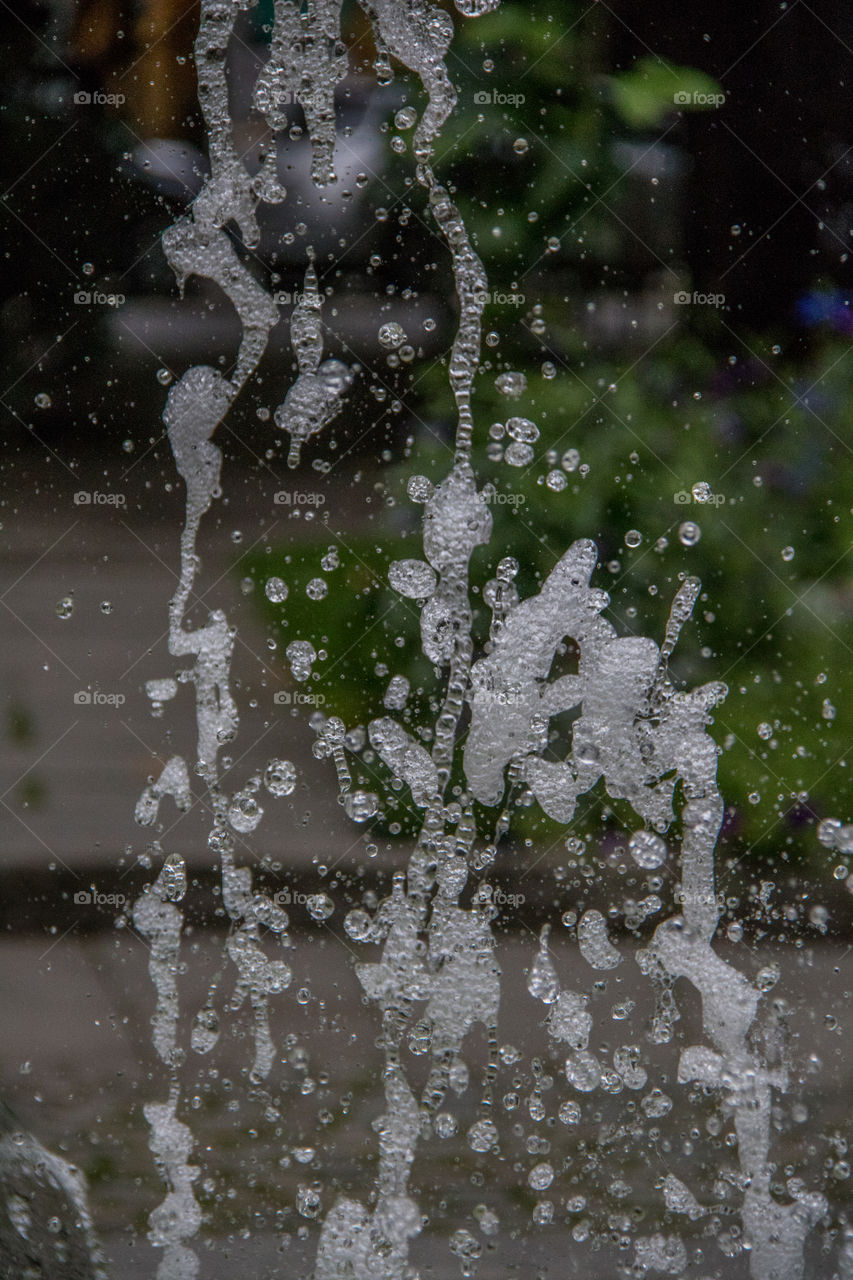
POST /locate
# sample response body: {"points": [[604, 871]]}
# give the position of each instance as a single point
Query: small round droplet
{"points": [[633, 538], [522, 429], [689, 533], [556, 480], [317, 589], [647, 849], [392, 335], [164, 377], [43, 400], [358, 924], [765, 730], [570, 460], [511, 384], [405, 118], [482, 1135], [275, 589], [106, 607], [280, 778], [419, 488], [88, 268], [518, 454], [541, 1176], [788, 553], [701, 491], [65, 607], [361, 805], [320, 906], [521, 146]]}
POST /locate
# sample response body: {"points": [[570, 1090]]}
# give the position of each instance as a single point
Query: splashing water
{"points": [[436, 976]]}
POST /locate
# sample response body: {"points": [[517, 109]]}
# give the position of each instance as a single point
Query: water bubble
{"points": [[788, 553], [765, 730], [308, 1202], [540, 1176], [172, 880], [689, 533], [827, 710], [331, 560], [633, 538], [482, 1136], [244, 813], [65, 607], [507, 569], [521, 146], [518, 454], [317, 589], [419, 488], [358, 925], [392, 335], [361, 805], [275, 589], [405, 118], [522, 429], [511, 384], [320, 906], [492, 338], [701, 491], [445, 1124], [542, 981], [412, 578], [556, 480], [88, 268], [647, 849], [106, 607], [164, 377], [43, 400], [569, 1113], [300, 654], [205, 1030], [548, 369], [280, 778], [570, 460]]}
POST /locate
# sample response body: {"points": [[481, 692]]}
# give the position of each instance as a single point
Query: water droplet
{"points": [[320, 906], [275, 589], [647, 849], [317, 589], [633, 538], [43, 400], [65, 607], [765, 730], [701, 491], [405, 118], [556, 480], [689, 533], [419, 488], [106, 607], [164, 376], [540, 1176], [522, 429], [521, 146], [280, 778], [512, 384], [88, 268], [482, 1136], [518, 454], [788, 553], [361, 805], [392, 335], [570, 460]]}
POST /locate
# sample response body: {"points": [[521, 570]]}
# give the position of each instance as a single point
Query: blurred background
{"points": [[662, 200]]}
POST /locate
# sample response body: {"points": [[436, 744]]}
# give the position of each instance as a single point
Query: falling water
{"points": [[436, 975]]}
